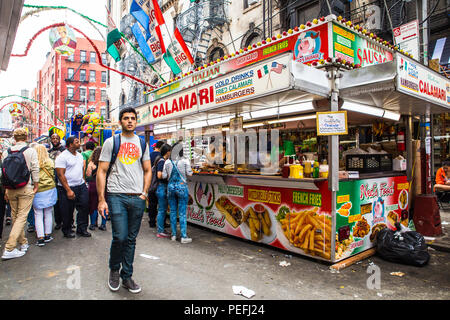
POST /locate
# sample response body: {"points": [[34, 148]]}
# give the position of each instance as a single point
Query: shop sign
{"points": [[372, 204], [308, 46], [174, 106], [350, 47], [261, 79], [312, 45], [281, 217], [331, 123], [417, 80]]}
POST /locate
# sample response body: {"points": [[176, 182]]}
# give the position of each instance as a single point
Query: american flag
{"points": [[277, 67], [199, 192]]}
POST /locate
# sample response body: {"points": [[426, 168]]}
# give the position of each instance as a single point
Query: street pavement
{"points": [[207, 268]]}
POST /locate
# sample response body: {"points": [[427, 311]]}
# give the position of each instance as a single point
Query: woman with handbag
{"points": [[45, 197], [177, 190]]}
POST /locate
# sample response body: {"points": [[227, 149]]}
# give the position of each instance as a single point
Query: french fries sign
{"points": [[290, 219]]}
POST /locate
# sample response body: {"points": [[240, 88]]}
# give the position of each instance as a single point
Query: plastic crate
{"points": [[368, 163]]}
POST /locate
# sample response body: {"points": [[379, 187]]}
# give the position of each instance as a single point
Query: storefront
{"points": [[260, 128]]}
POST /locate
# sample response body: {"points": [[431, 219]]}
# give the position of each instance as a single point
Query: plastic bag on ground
{"points": [[407, 247]]}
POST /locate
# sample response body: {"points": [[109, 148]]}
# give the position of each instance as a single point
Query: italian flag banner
{"points": [[115, 45], [263, 71], [175, 51]]}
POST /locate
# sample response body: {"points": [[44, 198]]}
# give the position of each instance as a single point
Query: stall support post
{"points": [[409, 150], [425, 154], [333, 154]]}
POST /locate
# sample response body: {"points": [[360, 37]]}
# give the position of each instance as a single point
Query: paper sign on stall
{"points": [[331, 123]]}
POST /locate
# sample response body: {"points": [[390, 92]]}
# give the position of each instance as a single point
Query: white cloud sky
{"points": [[22, 71]]}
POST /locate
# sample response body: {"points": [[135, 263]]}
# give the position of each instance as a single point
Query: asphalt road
{"points": [[207, 268]]}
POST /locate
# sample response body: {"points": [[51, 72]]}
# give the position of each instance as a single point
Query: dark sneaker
{"points": [[40, 242], [58, 226], [48, 238], [102, 227], [30, 229], [8, 221], [114, 280], [92, 227], [131, 285]]}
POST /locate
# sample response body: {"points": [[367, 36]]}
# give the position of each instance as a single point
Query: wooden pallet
{"points": [[352, 260]]}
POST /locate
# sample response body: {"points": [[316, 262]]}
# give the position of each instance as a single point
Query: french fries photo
{"points": [[309, 231], [258, 223]]}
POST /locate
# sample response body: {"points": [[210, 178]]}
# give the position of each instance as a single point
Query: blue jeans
{"points": [[30, 218], [161, 193], [126, 213], [178, 196], [93, 216]]}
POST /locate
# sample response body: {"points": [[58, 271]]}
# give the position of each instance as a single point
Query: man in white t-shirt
{"points": [[72, 190], [127, 187]]}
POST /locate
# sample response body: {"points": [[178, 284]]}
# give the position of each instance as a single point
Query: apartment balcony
{"points": [[78, 59], [77, 80]]}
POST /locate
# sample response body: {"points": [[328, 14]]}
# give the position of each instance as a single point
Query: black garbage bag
{"points": [[406, 247]]}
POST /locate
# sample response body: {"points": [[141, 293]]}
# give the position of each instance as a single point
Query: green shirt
{"points": [[86, 155]]}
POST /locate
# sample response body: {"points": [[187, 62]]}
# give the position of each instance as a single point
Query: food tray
{"points": [[368, 163]]}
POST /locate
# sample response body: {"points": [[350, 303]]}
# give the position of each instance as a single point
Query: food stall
{"points": [[261, 129]]}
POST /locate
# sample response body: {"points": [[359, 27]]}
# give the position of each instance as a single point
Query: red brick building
{"points": [[66, 85]]}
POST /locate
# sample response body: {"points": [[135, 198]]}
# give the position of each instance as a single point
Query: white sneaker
{"points": [[173, 238], [24, 247], [12, 254], [186, 240]]}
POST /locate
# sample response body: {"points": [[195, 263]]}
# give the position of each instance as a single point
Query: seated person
{"points": [[443, 182]]}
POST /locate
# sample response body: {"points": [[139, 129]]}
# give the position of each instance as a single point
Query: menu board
{"points": [[296, 220]]}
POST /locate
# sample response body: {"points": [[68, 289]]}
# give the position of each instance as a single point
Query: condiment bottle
{"points": [[316, 170], [307, 170]]}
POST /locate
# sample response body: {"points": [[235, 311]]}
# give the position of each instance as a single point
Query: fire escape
{"points": [[198, 22]]}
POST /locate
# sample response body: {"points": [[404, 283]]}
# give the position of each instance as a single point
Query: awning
{"points": [[10, 12], [402, 85]]}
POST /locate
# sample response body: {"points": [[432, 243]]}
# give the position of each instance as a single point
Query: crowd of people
{"points": [[44, 185]]}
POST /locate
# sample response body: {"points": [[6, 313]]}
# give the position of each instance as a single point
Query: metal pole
{"points": [[333, 156], [409, 150], [425, 32]]}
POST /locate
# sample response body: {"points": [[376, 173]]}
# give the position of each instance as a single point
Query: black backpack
{"points": [[155, 181], [15, 172]]}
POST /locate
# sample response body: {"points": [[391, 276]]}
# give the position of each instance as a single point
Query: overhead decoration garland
{"points": [[15, 95], [92, 44], [90, 20]]}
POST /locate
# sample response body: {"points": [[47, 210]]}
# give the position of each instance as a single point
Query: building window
{"points": [[124, 5], [71, 57], [104, 76], [307, 13], [92, 76], [69, 112], [103, 112], [82, 75], [91, 94], [92, 56], [69, 93], [103, 95], [215, 54], [104, 58], [82, 94], [69, 73], [82, 55]]}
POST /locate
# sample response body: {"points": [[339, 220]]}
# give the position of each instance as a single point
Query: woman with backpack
{"points": [[45, 198], [177, 189], [161, 189], [91, 177]]}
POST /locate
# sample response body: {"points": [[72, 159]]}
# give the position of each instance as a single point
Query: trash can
{"points": [[427, 218]]}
